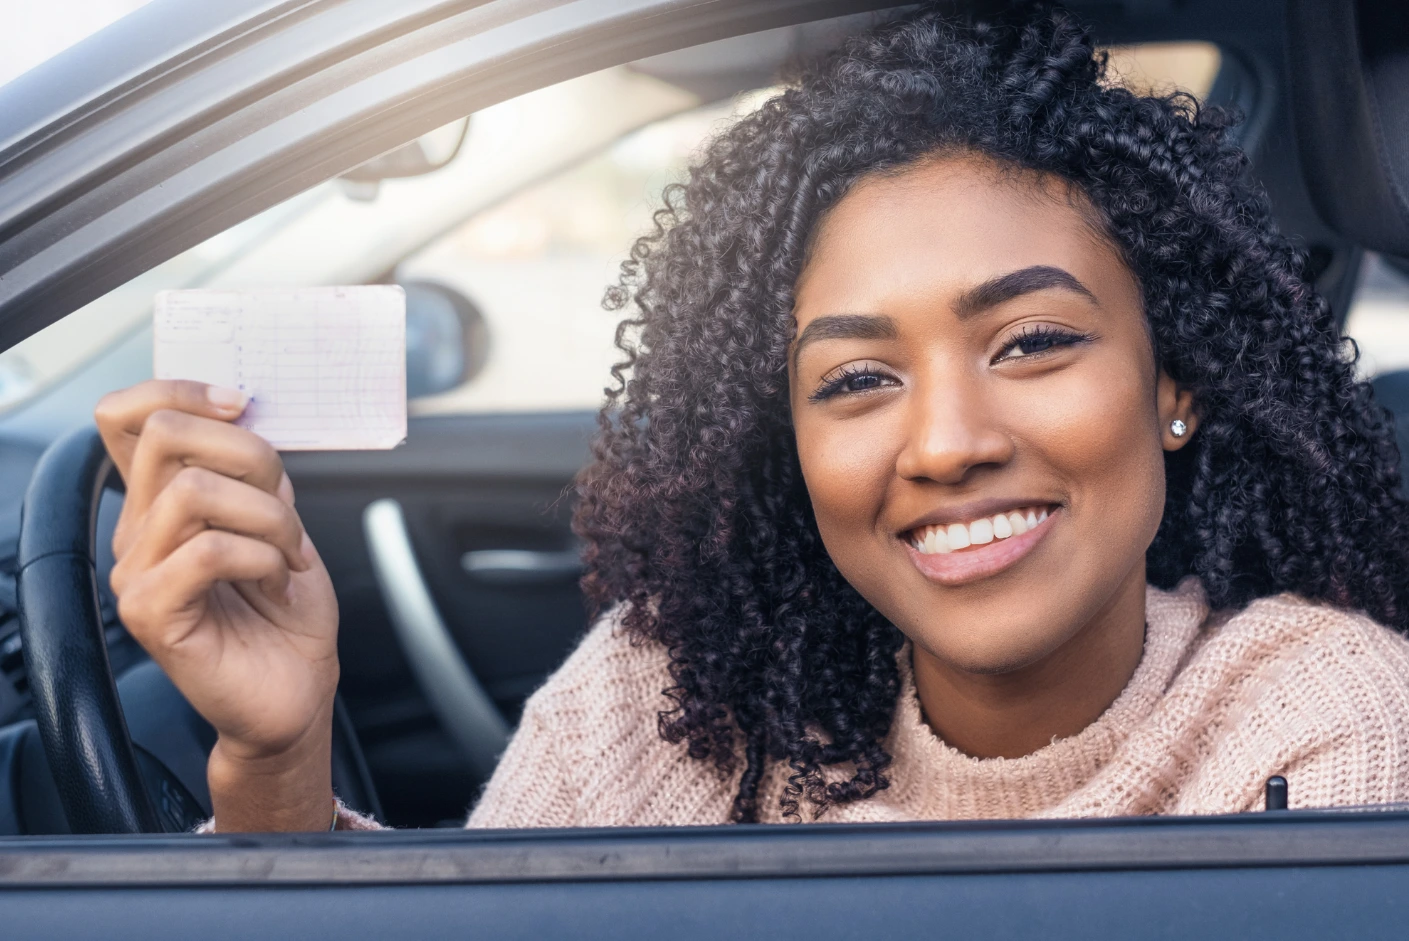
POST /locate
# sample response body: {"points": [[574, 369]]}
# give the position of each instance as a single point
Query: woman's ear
{"points": [[1177, 418]]}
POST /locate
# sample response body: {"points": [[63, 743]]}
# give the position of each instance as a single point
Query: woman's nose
{"points": [[950, 431]]}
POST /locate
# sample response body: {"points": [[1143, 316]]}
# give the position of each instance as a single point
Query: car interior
{"points": [[453, 560], [504, 204]]}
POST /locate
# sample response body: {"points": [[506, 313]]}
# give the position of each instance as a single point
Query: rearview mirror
{"points": [[447, 340], [425, 154]]}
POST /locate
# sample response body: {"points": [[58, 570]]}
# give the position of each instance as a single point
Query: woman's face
{"points": [[979, 416]]}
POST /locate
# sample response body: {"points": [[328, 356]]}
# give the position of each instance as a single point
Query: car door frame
{"points": [[1280, 874], [111, 180]]}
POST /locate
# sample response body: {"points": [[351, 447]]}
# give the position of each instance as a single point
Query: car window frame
{"points": [[82, 219], [1348, 836]]}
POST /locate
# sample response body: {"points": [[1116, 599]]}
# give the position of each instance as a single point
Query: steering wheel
{"points": [[105, 784]]}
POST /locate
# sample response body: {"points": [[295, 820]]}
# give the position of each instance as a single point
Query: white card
{"points": [[325, 368]]}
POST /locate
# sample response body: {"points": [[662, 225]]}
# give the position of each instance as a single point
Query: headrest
{"points": [[1349, 67]]}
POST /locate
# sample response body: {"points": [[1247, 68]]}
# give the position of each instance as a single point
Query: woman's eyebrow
{"points": [[974, 301], [1005, 287], [846, 327]]}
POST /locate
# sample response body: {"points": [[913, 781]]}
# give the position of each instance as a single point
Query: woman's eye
{"points": [[1040, 339], [851, 380], [861, 383]]}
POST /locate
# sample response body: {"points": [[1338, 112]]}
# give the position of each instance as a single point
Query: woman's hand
{"points": [[217, 579]]}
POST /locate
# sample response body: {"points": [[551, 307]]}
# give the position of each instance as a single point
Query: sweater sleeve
{"points": [[529, 787], [568, 737], [588, 752]]}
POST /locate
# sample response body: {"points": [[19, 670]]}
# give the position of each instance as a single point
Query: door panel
{"points": [[1282, 875], [474, 483], [1210, 904]]}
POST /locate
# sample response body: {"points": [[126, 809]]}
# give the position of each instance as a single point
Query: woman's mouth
{"points": [[956, 553]]}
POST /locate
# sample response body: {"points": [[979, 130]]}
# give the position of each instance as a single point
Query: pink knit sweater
{"points": [[1217, 705]]}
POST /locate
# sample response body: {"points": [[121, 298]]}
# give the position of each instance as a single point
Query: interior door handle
{"points": [[520, 566], [455, 693]]}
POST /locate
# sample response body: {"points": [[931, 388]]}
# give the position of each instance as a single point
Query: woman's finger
{"points": [[121, 415], [162, 604], [171, 440], [198, 499]]}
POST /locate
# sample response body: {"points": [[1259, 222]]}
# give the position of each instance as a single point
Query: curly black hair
{"points": [[695, 515]]}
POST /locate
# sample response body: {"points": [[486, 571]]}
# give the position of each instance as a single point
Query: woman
{"points": [[981, 451]]}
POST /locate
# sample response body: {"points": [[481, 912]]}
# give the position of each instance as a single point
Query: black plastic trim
{"points": [[1299, 838]]}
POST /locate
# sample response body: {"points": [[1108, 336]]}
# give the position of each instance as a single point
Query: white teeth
{"points": [[941, 539], [959, 536]]}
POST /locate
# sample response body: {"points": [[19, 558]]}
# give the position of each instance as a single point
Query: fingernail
{"points": [[223, 398], [289, 595]]}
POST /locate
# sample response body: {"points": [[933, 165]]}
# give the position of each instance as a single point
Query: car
{"points": [[495, 158]]}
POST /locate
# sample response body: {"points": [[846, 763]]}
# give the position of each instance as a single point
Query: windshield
{"points": [[36, 32], [528, 222]]}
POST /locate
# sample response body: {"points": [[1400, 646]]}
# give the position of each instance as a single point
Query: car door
{"points": [[247, 106]]}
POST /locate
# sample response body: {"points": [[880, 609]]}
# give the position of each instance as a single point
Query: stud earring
{"points": [[1177, 428]]}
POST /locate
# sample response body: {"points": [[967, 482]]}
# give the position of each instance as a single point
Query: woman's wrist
{"points": [[290, 791]]}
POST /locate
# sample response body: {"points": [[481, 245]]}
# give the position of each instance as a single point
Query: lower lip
{"points": [[969, 565]]}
